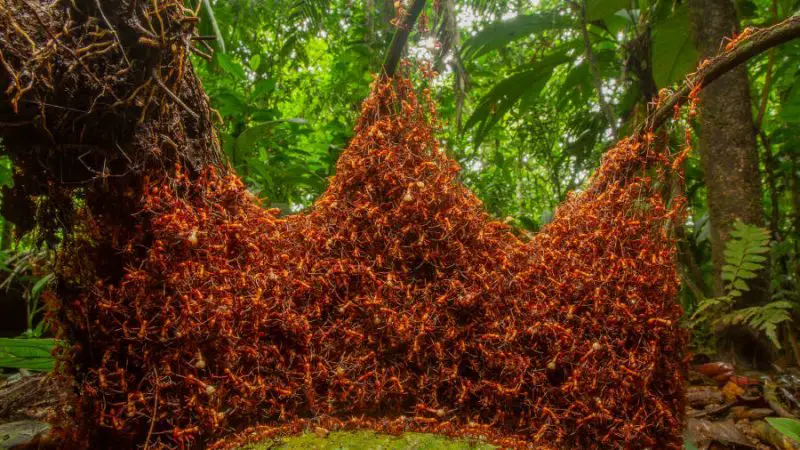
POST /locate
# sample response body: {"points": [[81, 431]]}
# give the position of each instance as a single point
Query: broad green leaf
{"points": [[674, 54], [505, 94], [787, 427], [231, 67], [600, 9], [34, 364], [32, 354], [255, 62], [499, 34]]}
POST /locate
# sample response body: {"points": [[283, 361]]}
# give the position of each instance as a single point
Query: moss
{"points": [[359, 440]]}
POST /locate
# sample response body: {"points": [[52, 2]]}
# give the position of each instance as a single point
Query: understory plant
{"points": [[31, 350], [746, 254]]}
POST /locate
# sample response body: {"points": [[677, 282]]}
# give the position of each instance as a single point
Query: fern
{"points": [[745, 257], [761, 318]]}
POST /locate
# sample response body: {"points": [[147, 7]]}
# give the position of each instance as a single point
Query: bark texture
{"points": [[728, 151]]}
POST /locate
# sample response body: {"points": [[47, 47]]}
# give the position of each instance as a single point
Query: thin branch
{"points": [[400, 38], [756, 43], [113, 31], [174, 96], [592, 61]]}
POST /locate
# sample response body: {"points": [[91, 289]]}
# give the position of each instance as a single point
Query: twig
{"points": [[155, 413], [113, 31], [713, 411], [400, 38], [758, 42], [592, 61], [174, 96]]}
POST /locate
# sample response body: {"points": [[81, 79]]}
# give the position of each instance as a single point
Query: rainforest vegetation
{"points": [[533, 101]]}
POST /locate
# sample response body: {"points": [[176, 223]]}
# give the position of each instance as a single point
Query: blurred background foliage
{"points": [[530, 93]]}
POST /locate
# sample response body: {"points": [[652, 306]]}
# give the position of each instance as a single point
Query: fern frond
{"points": [[765, 318], [709, 304], [744, 256]]}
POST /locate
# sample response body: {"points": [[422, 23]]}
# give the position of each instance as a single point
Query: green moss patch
{"points": [[360, 440]]}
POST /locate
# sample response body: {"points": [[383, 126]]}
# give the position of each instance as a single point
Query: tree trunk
{"points": [[729, 156]]}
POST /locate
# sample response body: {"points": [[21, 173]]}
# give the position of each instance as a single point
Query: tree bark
{"points": [[728, 150]]}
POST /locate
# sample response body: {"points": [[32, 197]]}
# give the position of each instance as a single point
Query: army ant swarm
{"points": [[396, 304]]}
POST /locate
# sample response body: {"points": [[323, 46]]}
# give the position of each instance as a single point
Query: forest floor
{"points": [[724, 411]]}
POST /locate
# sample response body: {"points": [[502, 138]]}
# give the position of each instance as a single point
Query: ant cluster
{"points": [[396, 303]]}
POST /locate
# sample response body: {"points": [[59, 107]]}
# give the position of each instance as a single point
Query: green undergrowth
{"points": [[361, 440]]}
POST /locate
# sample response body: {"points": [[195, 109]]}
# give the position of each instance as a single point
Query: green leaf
{"points": [[34, 364], [32, 354], [230, 66], [741, 285], [577, 82], [37, 289], [751, 266], [600, 9], [209, 13], [499, 34], [754, 259], [504, 95], [255, 62], [257, 133], [229, 103], [263, 88], [674, 54], [787, 427], [771, 330], [747, 275]]}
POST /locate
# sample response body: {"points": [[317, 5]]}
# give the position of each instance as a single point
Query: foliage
{"points": [[787, 427], [20, 266], [27, 353], [744, 257]]}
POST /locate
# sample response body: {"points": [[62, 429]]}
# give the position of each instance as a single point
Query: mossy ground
{"points": [[361, 440]]}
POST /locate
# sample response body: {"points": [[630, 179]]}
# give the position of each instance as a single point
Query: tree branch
{"points": [[400, 38], [756, 43]]}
